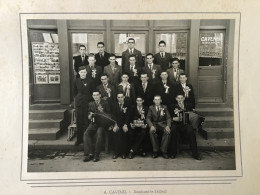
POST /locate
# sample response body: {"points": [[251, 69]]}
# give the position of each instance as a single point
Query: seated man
{"points": [[138, 126], [121, 113], [96, 127], [159, 121], [181, 127]]}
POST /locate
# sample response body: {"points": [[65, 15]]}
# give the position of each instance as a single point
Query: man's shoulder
{"points": [[76, 57], [151, 107]]}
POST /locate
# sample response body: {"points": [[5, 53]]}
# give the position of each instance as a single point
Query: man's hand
{"points": [[90, 115], [110, 128], [177, 119], [167, 130], [132, 125], [125, 128], [144, 126], [115, 128], [105, 98], [152, 129]]}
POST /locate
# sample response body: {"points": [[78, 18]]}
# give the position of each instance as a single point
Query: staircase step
{"points": [[218, 122], [211, 105], [48, 123], [48, 106], [44, 134], [217, 133], [47, 114], [215, 111]]}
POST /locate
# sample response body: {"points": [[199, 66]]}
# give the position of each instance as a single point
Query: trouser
{"points": [[89, 134], [195, 120], [81, 120], [121, 142], [165, 139], [180, 131], [138, 136]]}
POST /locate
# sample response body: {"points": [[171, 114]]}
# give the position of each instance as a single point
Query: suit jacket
{"points": [[114, 77], [191, 98], [95, 79], [147, 95], [133, 79], [78, 62], [83, 91], [102, 62], [167, 98], [121, 116], [132, 92], [125, 58], [171, 77], [104, 93], [163, 62], [187, 107], [135, 114], [157, 72], [163, 119]]}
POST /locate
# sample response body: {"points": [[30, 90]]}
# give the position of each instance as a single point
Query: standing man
{"points": [[163, 58], [83, 88], [153, 70], [95, 71], [132, 70], [175, 72], [96, 127], [126, 88], [131, 51], [121, 113], [102, 56], [80, 60], [113, 71], [159, 122], [106, 90]]}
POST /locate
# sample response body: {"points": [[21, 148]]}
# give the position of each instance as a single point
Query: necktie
{"points": [[105, 87], [120, 106], [101, 56], [162, 55], [150, 66], [144, 87], [131, 68], [158, 111], [83, 58], [131, 51]]}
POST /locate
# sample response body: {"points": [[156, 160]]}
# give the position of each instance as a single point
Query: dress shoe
{"points": [[96, 157], [115, 156], [197, 157], [88, 158], [173, 156], [78, 142], [131, 155], [143, 154], [123, 156], [155, 154], [165, 155]]}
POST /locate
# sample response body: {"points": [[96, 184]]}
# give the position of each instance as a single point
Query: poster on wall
{"points": [[46, 64]]}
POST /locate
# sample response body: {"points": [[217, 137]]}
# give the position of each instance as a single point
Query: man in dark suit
{"points": [[138, 131], [133, 71], [94, 71], [175, 72], [133, 51], [163, 58], [126, 88], [96, 127], [80, 60], [113, 71], [181, 129], [145, 90], [153, 70], [102, 56], [121, 112], [159, 122], [83, 88], [107, 90]]}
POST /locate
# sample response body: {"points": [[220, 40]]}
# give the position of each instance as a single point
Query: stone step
{"points": [[218, 122], [48, 106], [44, 134], [47, 123], [211, 105], [217, 133], [47, 114], [215, 111]]}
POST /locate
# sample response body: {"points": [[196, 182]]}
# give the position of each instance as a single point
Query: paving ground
{"points": [[72, 161]]}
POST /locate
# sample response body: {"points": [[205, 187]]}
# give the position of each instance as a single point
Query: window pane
{"points": [[211, 48]]}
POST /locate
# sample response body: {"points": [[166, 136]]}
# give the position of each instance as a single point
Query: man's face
{"points": [[132, 61], [96, 96], [82, 50], [139, 101], [120, 98], [157, 100], [83, 73], [91, 60], [183, 79], [149, 59], [112, 60], [180, 99], [124, 78], [101, 48], [162, 47], [175, 64], [104, 79], [144, 78], [164, 75], [131, 44]]}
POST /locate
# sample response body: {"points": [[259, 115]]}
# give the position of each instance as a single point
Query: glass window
{"points": [[211, 48]]}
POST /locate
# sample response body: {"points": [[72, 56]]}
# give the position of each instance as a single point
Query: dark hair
{"points": [[101, 43], [112, 55], [82, 68], [119, 93], [139, 97], [102, 75], [124, 73], [95, 91], [82, 46], [162, 42], [131, 39], [149, 54], [157, 96], [175, 59], [91, 55], [132, 55], [183, 74]]}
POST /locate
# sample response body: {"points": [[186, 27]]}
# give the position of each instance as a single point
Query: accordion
{"points": [[102, 120], [184, 117]]}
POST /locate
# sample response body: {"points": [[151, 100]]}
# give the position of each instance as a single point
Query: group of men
{"points": [[135, 102]]}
